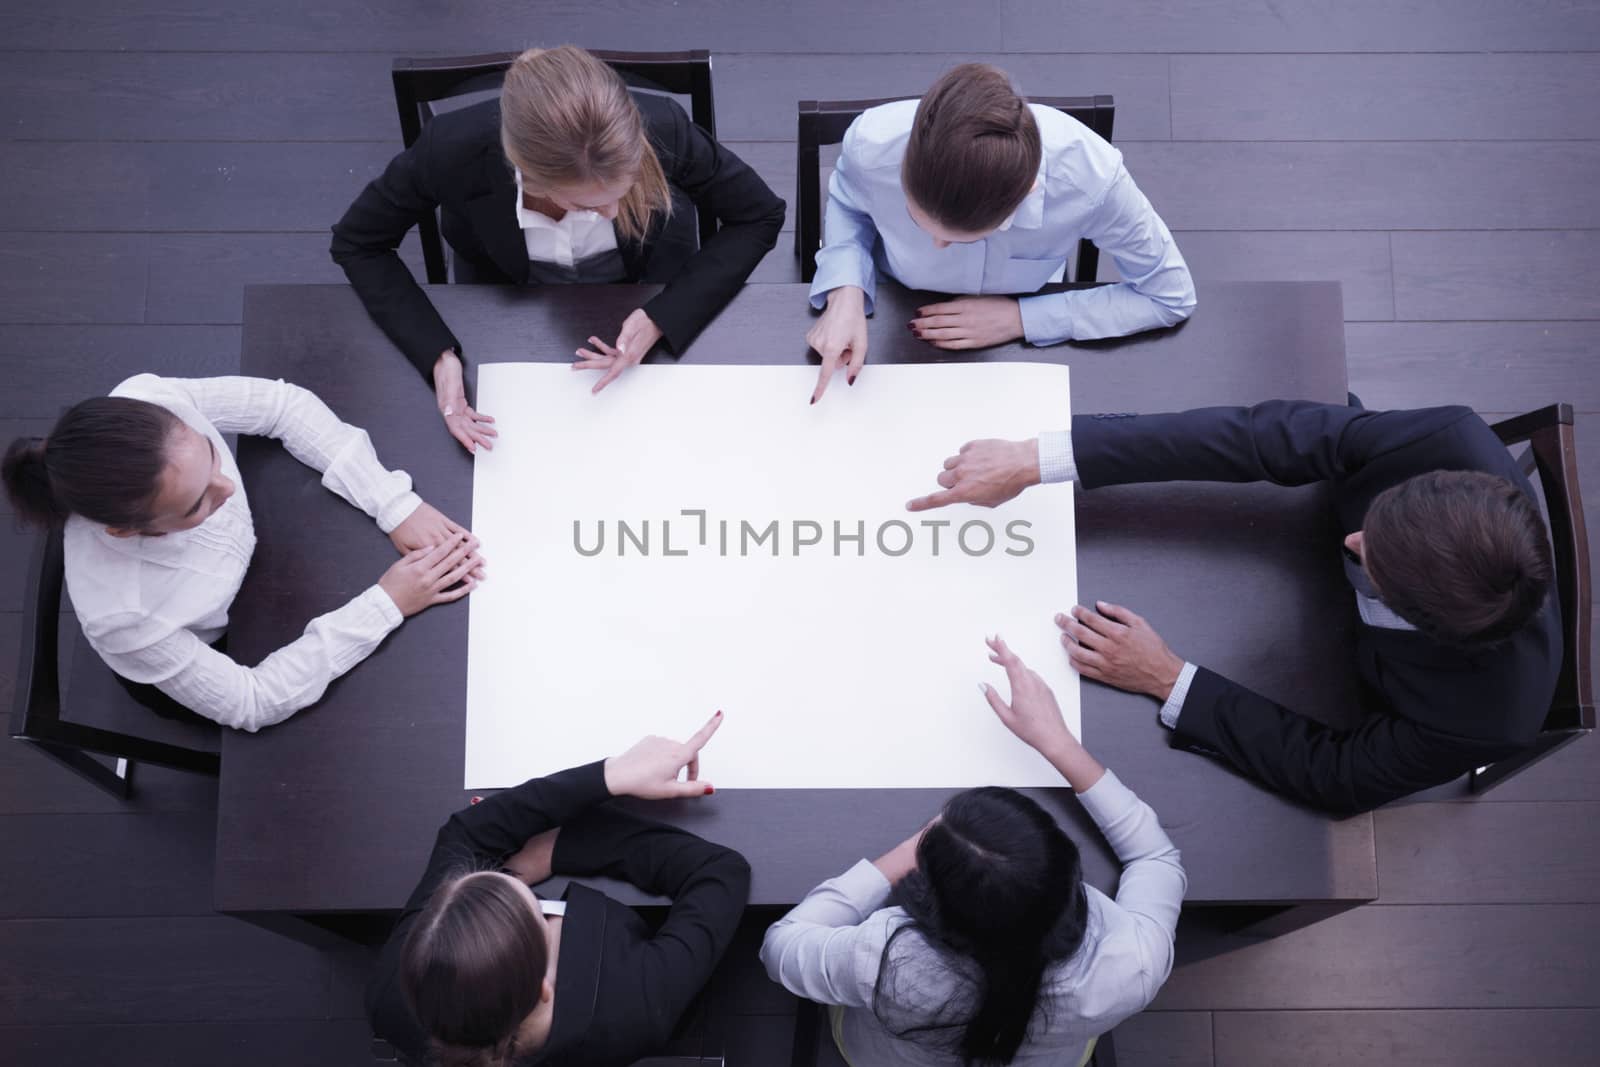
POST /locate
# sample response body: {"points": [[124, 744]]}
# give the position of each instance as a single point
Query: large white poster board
{"points": [[702, 537]]}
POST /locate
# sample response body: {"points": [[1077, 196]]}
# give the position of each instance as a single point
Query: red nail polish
{"points": [[813, 400], [710, 789], [850, 381], [475, 800]]}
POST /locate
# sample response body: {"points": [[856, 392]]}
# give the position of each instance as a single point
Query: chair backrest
{"points": [[37, 700], [421, 83], [1553, 452], [36, 711], [824, 122]]}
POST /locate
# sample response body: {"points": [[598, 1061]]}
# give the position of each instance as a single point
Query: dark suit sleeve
{"points": [[1289, 442], [708, 886], [750, 214], [476, 838], [1340, 771], [364, 244], [484, 834]]}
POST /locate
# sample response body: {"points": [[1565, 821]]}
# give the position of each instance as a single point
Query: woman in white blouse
{"points": [[158, 535], [998, 952]]}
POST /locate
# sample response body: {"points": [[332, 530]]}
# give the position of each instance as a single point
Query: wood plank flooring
{"points": [[1437, 157]]}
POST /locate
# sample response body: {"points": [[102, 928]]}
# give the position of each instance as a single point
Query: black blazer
{"points": [[620, 987], [1441, 711], [457, 165]]}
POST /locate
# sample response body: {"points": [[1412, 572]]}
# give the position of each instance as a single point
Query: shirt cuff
{"points": [[1056, 463], [1175, 699], [864, 886], [383, 608], [399, 509], [841, 265], [1045, 319]]}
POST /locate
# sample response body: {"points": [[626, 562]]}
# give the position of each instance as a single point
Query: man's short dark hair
{"points": [[1461, 555]]}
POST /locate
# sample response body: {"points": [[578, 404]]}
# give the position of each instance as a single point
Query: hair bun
{"points": [[27, 481]]}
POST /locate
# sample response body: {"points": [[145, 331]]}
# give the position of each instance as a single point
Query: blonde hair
{"points": [[567, 119]]}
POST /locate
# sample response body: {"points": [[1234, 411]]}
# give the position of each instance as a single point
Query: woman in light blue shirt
{"points": [[999, 953], [974, 190]]}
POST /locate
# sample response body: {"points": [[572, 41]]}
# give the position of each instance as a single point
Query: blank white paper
{"points": [[848, 663]]}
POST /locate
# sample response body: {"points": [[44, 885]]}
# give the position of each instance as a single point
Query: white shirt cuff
{"points": [[1045, 319], [382, 606], [1180, 693], [399, 509], [841, 265], [1056, 463], [864, 886]]}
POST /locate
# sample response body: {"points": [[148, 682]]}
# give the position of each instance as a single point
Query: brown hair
{"points": [[974, 149], [566, 118], [103, 460], [1461, 555], [471, 968]]}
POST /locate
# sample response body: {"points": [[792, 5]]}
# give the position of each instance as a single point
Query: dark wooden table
{"points": [[334, 811]]}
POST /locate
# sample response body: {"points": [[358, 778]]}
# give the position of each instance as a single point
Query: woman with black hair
{"points": [[998, 953], [158, 536]]}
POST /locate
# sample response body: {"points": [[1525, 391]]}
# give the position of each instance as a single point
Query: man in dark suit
{"points": [[1445, 549]]}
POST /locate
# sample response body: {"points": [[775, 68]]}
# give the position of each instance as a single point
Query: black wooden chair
{"points": [[811, 1045], [37, 713], [824, 122], [1552, 455], [421, 83]]}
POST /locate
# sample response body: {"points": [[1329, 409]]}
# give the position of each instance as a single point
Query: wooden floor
{"points": [[1439, 157]]}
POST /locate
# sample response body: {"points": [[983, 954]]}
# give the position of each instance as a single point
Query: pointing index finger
{"points": [[702, 735], [933, 500]]}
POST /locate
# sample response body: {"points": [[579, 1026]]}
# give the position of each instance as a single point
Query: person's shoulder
{"points": [[458, 139], [1075, 157], [149, 387], [659, 112], [1438, 437], [877, 138]]}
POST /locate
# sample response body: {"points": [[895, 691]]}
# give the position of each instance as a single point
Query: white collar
{"points": [[1029, 215], [527, 218]]}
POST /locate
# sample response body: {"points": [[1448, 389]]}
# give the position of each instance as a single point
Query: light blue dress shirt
{"points": [[1083, 190]]}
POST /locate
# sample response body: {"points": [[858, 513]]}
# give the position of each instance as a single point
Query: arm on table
{"points": [[482, 835], [848, 232], [295, 676], [311, 432], [1156, 289], [750, 214], [828, 947], [1153, 880], [1343, 772], [707, 884], [365, 242], [1288, 442]]}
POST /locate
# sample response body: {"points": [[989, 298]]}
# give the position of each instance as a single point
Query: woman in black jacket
{"points": [[481, 972], [568, 177]]}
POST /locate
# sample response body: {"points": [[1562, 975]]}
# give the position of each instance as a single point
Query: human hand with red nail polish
{"points": [[649, 770]]}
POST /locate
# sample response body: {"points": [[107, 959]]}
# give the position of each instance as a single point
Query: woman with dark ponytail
{"points": [[482, 972], [158, 534], [997, 952], [975, 192]]}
